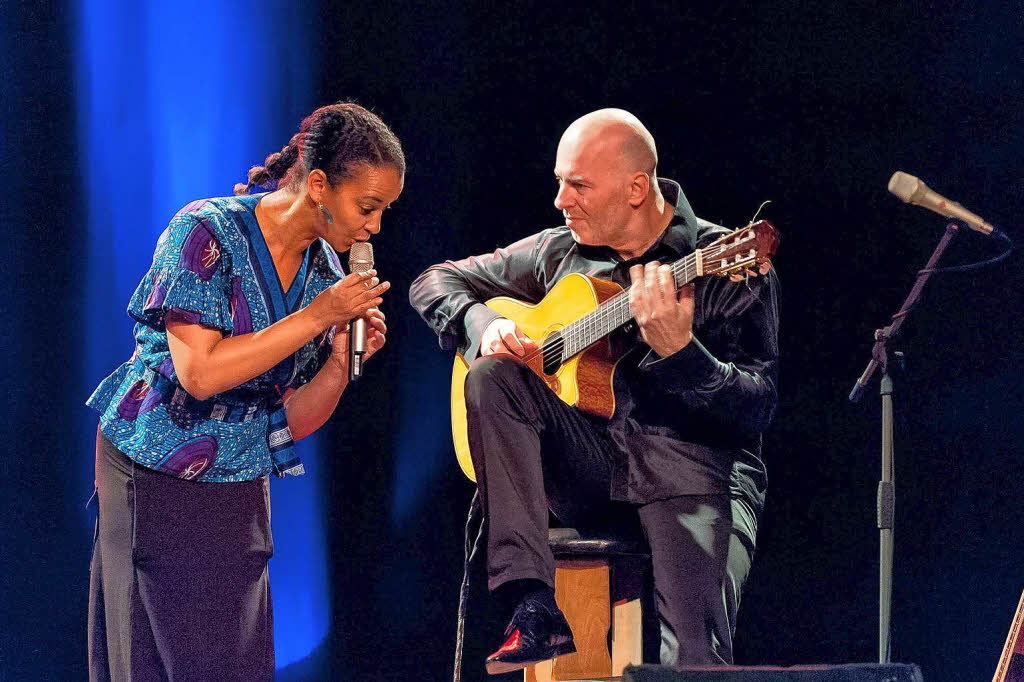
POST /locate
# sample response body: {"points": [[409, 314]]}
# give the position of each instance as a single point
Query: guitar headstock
{"points": [[746, 250]]}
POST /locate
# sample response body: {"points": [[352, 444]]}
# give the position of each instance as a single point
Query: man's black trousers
{"points": [[532, 452]]}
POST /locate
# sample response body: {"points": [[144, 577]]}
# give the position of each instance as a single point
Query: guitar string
{"points": [[610, 310], [612, 314], [587, 330], [594, 326]]}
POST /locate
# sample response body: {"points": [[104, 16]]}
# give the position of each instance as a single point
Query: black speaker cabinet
{"points": [[856, 672]]}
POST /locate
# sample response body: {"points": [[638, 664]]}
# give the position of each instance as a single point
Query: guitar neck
{"points": [[740, 249], [616, 311]]}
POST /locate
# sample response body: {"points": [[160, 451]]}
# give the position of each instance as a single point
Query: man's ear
{"points": [[638, 189]]}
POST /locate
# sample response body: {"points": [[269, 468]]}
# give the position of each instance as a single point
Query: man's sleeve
{"points": [[450, 296], [737, 382]]}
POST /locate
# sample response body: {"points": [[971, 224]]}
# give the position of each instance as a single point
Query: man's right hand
{"points": [[350, 298], [503, 336]]}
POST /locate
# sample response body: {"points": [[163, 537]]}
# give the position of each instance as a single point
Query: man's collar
{"points": [[683, 229]]}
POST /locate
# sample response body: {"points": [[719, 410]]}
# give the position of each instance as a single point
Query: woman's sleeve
{"points": [[189, 275]]}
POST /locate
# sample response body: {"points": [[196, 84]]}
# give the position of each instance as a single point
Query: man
{"points": [[681, 454]]}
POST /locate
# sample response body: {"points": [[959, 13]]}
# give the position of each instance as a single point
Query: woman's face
{"points": [[357, 204]]}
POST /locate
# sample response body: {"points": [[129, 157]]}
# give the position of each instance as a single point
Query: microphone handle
{"points": [[356, 348]]}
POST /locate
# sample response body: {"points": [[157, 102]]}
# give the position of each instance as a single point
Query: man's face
{"points": [[591, 189]]}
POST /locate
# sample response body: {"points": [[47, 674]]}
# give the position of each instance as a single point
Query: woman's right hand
{"points": [[350, 298]]}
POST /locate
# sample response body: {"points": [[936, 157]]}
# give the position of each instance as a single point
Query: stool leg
{"points": [[627, 638], [628, 574], [539, 672], [582, 589]]}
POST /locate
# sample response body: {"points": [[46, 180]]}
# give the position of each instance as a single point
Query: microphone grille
{"points": [[904, 185], [360, 257]]}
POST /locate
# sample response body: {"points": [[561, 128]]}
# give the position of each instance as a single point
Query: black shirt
{"points": [[689, 423]]}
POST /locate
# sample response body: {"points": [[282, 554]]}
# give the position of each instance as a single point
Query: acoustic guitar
{"points": [[572, 323]]}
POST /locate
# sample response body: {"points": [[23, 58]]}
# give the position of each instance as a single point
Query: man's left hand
{"points": [[664, 316]]}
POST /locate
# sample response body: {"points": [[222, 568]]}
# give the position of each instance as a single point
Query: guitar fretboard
{"points": [[610, 315], [739, 249]]}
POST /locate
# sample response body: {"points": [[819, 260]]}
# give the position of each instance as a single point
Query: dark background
{"points": [[812, 107]]}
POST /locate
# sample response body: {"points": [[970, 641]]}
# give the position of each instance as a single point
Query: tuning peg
{"points": [[746, 273]]}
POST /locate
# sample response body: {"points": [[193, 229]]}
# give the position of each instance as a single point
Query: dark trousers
{"points": [[532, 452], [179, 587]]}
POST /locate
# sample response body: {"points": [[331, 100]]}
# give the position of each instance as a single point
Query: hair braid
{"points": [[275, 167]]}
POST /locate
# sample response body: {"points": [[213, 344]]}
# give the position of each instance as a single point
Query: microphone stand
{"points": [[886, 503]]}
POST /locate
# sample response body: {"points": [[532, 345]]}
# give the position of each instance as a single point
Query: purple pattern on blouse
{"points": [[166, 367], [190, 459], [333, 258], [152, 399], [201, 251], [156, 297], [182, 315], [130, 404], [193, 206]]}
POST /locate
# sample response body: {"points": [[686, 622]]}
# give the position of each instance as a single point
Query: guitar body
{"points": [[583, 381]]}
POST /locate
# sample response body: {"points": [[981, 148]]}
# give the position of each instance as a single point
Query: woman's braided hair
{"points": [[334, 138]]}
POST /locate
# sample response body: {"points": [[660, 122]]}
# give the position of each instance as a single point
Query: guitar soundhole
{"points": [[551, 352]]}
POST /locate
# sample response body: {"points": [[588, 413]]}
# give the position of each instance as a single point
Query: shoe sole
{"points": [[563, 647]]}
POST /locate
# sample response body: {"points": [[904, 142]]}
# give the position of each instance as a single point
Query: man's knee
{"points": [[689, 537], [741, 555], [491, 373]]}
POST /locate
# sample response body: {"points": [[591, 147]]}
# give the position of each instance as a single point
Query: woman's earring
{"points": [[327, 214]]}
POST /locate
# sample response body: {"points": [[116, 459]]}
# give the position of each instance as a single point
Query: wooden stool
{"points": [[599, 582]]}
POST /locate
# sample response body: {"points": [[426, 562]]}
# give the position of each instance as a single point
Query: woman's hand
{"points": [[349, 298], [309, 406], [375, 338]]}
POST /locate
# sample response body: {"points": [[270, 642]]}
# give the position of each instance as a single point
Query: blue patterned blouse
{"points": [[212, 267]]}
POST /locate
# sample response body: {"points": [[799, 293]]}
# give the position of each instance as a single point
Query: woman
{"points": [[240, 348]]}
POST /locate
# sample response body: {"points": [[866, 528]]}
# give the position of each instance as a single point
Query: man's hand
{"points": [[665, 318], [503, 336]]}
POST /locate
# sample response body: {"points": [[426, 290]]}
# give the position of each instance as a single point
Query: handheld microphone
{"points": [[913, 191], [360, 259]]}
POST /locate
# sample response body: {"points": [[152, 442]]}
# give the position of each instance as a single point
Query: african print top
{"points": [[212, 267]]}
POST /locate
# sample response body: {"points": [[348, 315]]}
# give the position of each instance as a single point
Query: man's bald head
{"points": [[616, 133], [607, 190]]}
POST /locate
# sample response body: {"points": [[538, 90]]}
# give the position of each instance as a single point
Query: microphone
{"points": [[360, 259], [913, 191]]}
